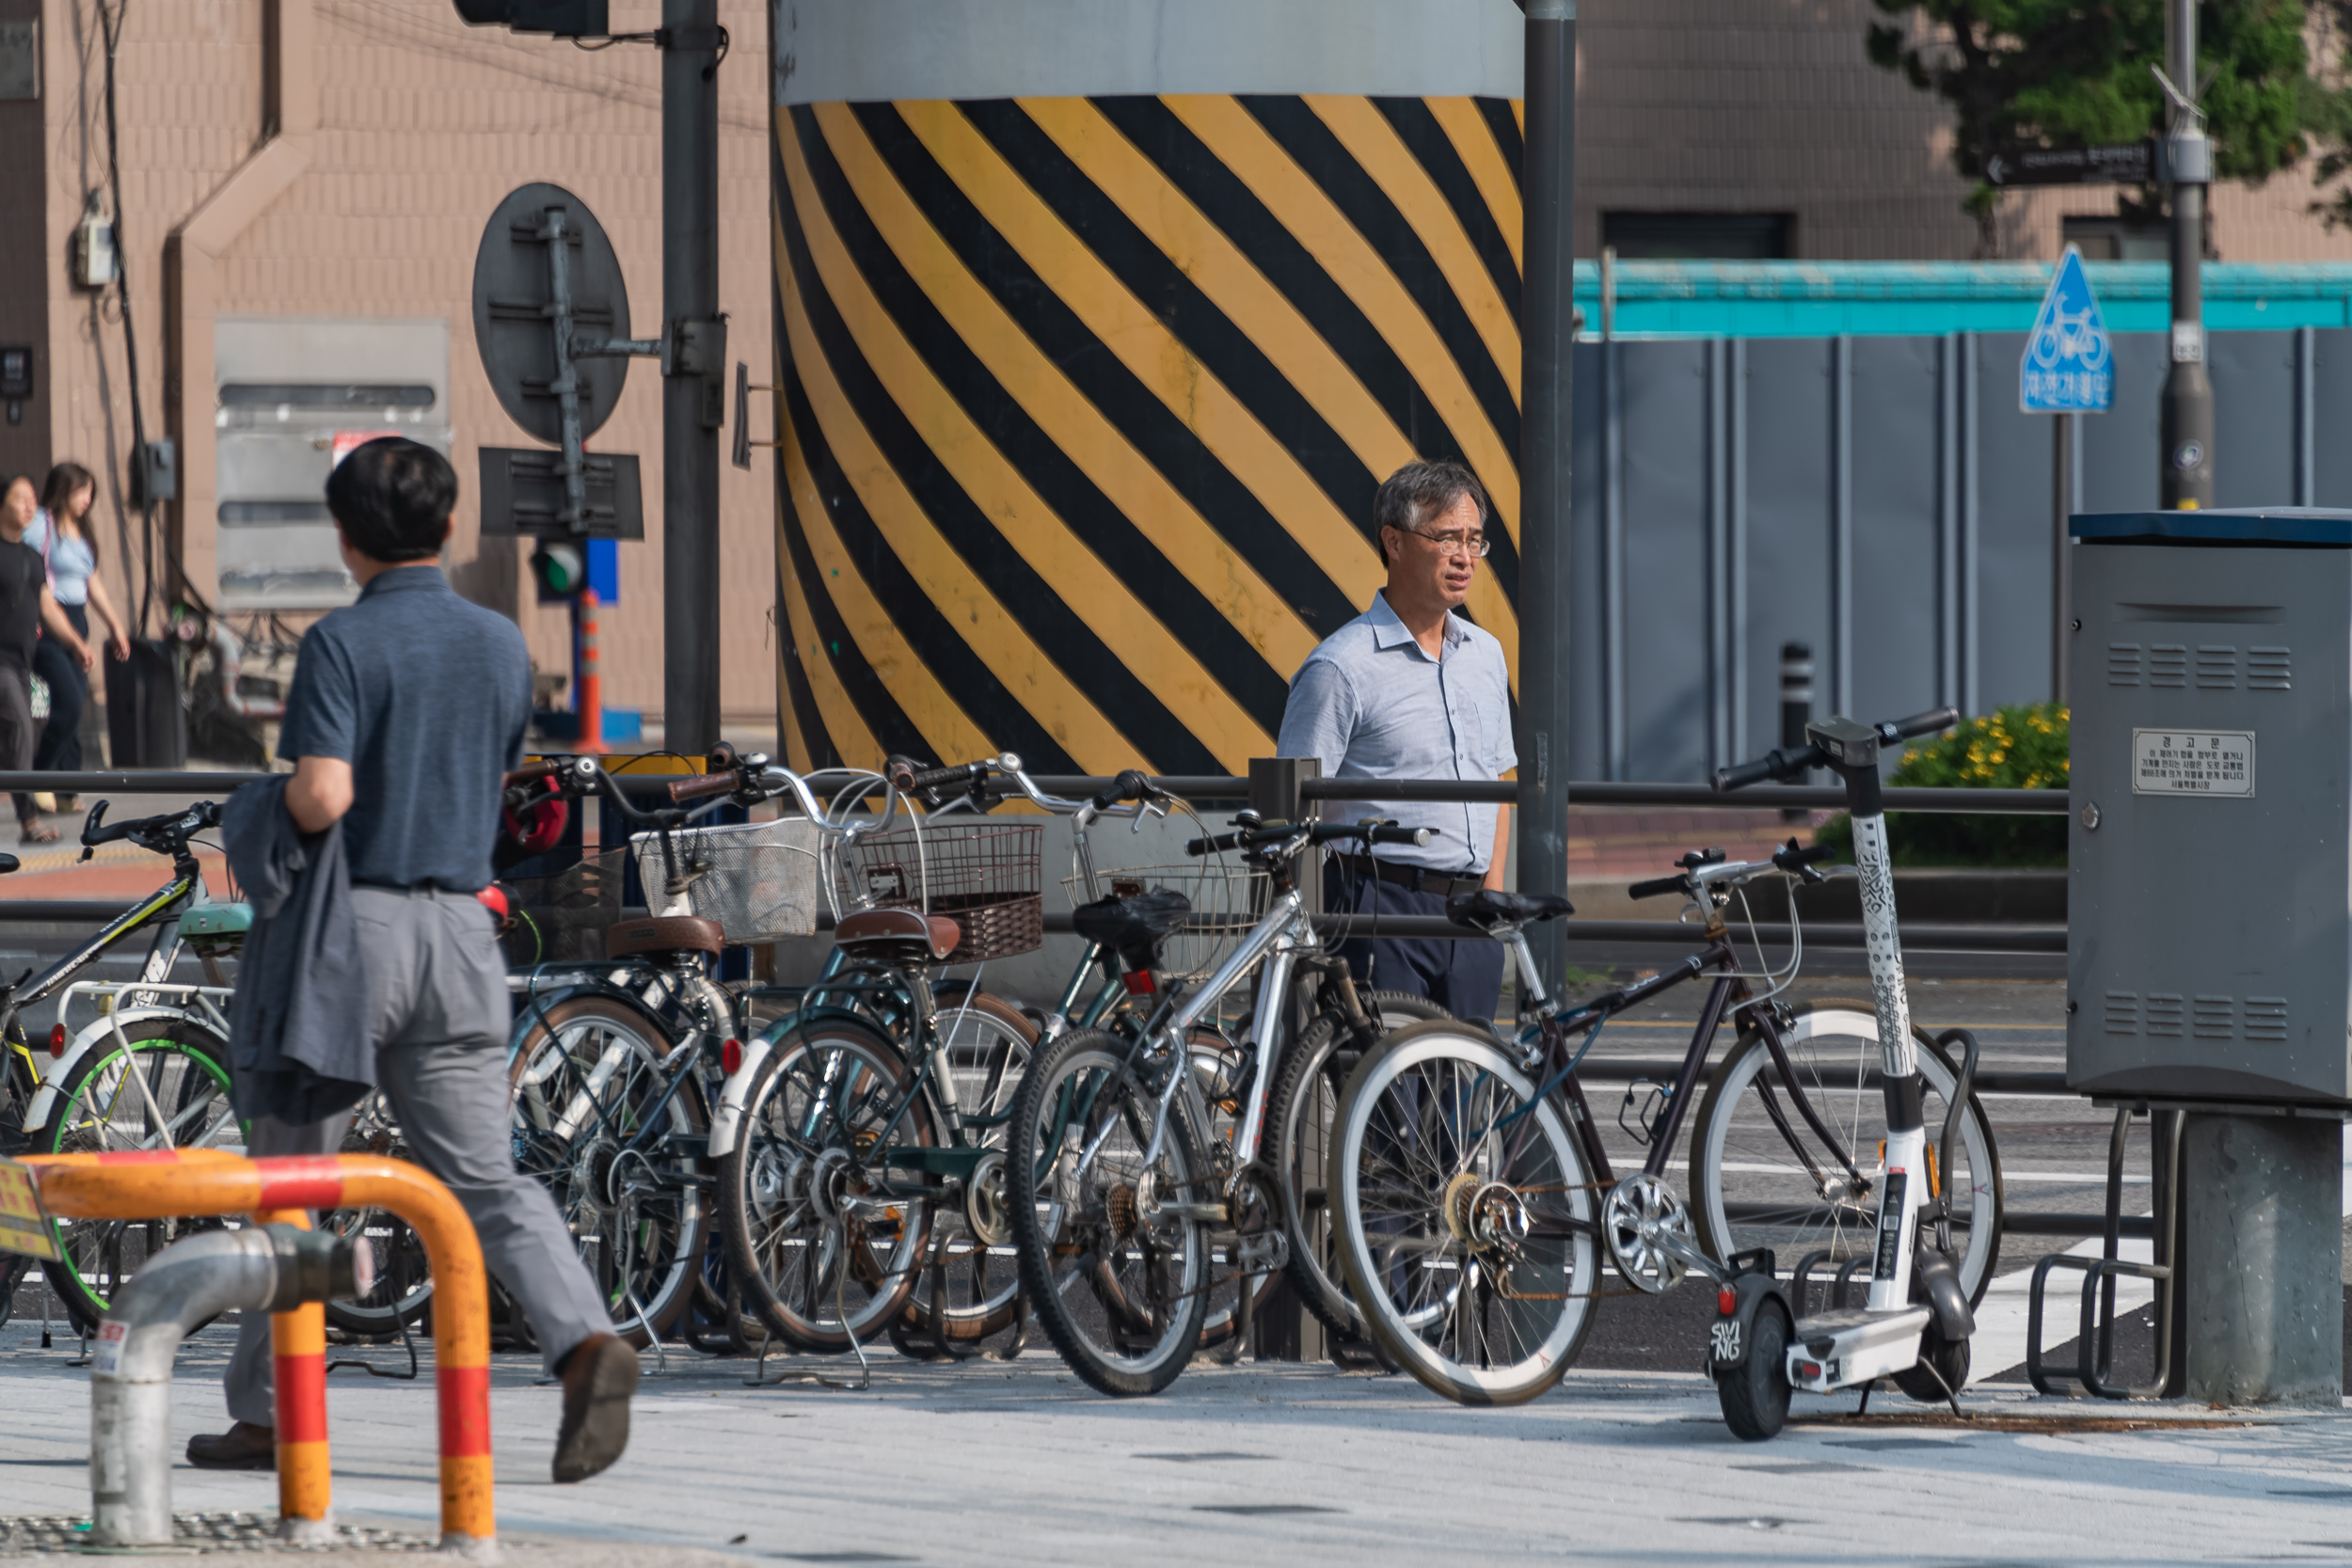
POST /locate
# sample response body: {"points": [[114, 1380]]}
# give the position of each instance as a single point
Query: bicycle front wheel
{"points": [[600, 1118], [988, 1041], [163, 1087], [1465, 1216], [1115, 1248], [1762, 1174], [826, 1207]]}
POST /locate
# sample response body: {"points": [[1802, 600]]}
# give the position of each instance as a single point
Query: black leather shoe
{"points": [[599, 1375], [243, 1446]]}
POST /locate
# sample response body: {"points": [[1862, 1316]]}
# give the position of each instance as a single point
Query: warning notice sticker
{"points": [[2198, 762]]}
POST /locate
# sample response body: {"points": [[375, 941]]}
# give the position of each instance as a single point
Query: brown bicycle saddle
{"points": [[678, 933], [936, 933]]}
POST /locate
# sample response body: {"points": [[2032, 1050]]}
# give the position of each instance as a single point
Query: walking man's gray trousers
{"points": [[438, 986]]}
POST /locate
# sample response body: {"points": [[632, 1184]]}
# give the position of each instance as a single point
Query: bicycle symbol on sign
{"points": [[2074, 335]]}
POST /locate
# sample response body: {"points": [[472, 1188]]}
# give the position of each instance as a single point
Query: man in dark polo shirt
{"points": [[407, 711]]}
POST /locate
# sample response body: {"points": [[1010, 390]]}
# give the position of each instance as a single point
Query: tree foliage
{"points": [[2065, 73]]}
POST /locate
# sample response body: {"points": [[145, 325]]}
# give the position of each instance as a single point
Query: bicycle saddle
{"points": [[682, 933], [1135, 927], [931, 936], [1490, 907]]}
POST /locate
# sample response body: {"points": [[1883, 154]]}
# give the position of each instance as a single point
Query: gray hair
{"points": [[1420, 491]]}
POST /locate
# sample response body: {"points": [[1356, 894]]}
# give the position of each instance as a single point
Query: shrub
{"points": [[2016, 748]]}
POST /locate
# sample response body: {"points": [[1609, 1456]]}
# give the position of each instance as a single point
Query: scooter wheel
{"points": [[1942, 1372], [1755, 1394]]}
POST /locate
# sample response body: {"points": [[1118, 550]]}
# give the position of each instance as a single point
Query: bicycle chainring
{"points": [[1638, 1218]]}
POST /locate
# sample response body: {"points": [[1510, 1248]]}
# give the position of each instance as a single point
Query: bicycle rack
{"points": [[2095, 1341]]}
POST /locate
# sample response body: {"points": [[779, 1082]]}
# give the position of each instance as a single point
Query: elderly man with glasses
{"points": [[1408, 690]]}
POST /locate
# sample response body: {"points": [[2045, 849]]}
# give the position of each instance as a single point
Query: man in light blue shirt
{"points": [[1409, 689]]}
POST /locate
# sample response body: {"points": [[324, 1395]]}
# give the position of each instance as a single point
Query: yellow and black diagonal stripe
{"points": [[1083, 401]]}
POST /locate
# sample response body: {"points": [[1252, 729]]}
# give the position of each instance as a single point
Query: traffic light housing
{"points": [[560, 566], [565, 19]]}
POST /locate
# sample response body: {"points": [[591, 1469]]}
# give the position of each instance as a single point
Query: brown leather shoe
{"points": [[243, 1446], [599, 1375]]}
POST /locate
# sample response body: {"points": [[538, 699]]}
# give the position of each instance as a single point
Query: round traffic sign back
{"points": [[514, 325]]}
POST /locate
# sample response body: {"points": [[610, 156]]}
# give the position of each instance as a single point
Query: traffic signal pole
{"points": [[2186, 482], [693, 387], [1546, 432]]}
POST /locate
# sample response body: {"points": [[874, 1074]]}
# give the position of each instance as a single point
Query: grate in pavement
{"points": [[1201, 1458], [58, 1534], [1254, 1509]]}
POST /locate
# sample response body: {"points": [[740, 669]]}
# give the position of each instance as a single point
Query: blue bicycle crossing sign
{"points": [[2067, 367]]}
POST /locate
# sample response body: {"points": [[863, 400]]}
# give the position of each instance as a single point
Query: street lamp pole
{"points": [[1548, 369], [2185, 483]]}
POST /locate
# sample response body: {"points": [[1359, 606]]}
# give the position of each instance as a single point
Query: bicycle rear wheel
{"points": [[1465, 1216], [825, 1228], [402, 1291], [1115, 1249], [166, 1086], [1760, 1175], [989, 1042], [599, 1120], [1301, 1111]]}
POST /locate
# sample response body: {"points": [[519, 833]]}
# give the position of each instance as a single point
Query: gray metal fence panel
{"points": [[1891, 664], [2013, 481], [1789, 454], [2253, 416], [1883, 499]]}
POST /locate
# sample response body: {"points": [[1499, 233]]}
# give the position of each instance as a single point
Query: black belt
{"points": [[1411, 877]]}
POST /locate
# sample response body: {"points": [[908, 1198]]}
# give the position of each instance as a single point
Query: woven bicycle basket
{"points": [[984, 876], [759, 881], [1226, 902]]}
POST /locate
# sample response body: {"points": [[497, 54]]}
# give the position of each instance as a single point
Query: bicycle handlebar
{"points": [[703, 785], [177, 825], [1130, 785], [1656, 886], [1315, 832], [1792, 762]]}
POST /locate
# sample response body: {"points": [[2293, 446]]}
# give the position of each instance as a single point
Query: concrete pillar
{"points": [[2263, 1295]]}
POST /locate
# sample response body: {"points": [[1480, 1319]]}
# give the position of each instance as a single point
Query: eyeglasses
{"points": [[1475, 545]]}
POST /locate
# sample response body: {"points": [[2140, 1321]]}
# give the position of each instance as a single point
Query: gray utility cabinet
{"points": [[2209, 947]]}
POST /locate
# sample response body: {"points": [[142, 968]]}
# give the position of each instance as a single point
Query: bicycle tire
{"points": [[797, 1164], [1301, 1109], [1735, 1137], [1430, 1239], [1094, 1248], [402, 1294], [985, 1088], [584, 1068], [99, 1109]]}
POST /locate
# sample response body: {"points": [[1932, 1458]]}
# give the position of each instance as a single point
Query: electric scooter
{"points": [[1916, 1324]]}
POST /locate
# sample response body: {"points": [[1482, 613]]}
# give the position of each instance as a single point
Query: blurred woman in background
{"points": [[29, 615], [61, 532]]}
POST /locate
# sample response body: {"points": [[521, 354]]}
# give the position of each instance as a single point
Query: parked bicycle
{"points": [[1474, 1201], [1130, 1210], [149, 1071]]}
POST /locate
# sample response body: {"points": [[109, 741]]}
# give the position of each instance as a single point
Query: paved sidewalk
{"points": [[988, 1464]]}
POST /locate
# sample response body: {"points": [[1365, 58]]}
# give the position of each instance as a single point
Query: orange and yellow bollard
{"points": [[172, 1183]]}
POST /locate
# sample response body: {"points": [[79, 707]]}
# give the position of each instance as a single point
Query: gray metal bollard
{"points": [[267, 1268], [2263, 1287]]}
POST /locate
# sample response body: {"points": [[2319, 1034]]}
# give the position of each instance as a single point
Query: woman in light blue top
{"points": [[61, 532]]}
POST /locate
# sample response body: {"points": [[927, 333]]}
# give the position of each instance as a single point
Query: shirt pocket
{"points": [[1491, 738]]}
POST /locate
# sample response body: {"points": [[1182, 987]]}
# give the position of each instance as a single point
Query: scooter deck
{"points": [[1853, 1345]]}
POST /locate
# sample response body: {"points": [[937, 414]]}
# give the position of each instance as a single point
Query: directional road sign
{"points": [[2124, 163], [2068, 366], [515, 319]]}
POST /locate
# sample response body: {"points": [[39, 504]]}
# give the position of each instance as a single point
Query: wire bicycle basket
{"points": [[985, 876], [759, 881], [1227, 902]]}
